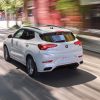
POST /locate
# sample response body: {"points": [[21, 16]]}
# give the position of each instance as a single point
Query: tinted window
{"points": [[24, 34], [18, 34], [28, 34], [58, 37]]}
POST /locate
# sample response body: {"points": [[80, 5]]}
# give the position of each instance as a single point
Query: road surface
{"points": [[61, 84]]}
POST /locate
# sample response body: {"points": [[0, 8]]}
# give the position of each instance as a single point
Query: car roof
{"points": [[47, 29]]}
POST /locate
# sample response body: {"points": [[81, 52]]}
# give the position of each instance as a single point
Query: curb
{"points": [[90, 44], [85, 47]]}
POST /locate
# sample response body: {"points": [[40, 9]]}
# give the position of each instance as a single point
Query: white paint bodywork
{"points": [[60, 55]]}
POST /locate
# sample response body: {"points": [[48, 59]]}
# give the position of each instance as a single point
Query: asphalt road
{"points": [[61, 84]]}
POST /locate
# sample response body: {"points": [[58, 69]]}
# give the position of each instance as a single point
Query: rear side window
{"points": [[28, 34], [58, 37]]}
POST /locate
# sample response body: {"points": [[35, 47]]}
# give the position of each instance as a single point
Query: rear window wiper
{"points": [[60, 41]]}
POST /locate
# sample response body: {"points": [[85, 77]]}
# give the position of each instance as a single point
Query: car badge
{"points": [[66, 46]]}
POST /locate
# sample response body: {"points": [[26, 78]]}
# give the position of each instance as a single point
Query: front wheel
{"points": [[6, 54], [31, 67]]}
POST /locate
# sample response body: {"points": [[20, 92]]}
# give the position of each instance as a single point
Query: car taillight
{"points": [[46, 46], [78, 43], [49, 61]]}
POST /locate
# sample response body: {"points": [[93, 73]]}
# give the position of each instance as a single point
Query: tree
{"points": [[0, 7], [11, 6], [25, 11], [5, 5], [70, 10], [15, 5], [66, 5]]}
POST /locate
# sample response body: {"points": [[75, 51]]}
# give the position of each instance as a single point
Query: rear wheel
{"points": [[6, 54], [31, 67], [73, 67]]}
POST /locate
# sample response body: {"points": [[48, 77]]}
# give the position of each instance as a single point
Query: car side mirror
{"points": [[10, 36]]}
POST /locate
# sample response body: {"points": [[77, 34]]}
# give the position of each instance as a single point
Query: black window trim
{"points": [[16, 33], [23, 31], [30, 30], [49, 33]]}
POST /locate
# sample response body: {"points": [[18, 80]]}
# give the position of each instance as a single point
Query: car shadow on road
{"points": [[64, 77], [61, 77]]}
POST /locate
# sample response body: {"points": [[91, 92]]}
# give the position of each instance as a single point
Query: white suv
{"points": [[43, 49]]}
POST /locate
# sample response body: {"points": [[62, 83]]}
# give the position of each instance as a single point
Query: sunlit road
{"points": [[61, 84]]}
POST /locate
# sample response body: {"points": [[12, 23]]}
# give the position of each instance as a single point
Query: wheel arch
{"points": [[34, 56], [29, 55], [4, 45]]}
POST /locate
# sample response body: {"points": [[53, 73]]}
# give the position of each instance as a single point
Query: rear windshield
{"points": [[58, 37]]}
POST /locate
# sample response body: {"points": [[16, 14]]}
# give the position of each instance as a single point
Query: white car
{"points": [[42, 49]]}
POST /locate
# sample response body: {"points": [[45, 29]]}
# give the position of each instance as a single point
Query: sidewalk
{"points": [[3, 34], [90, 43], [90, 38], [1, 49], [3, 24], [1, 45]]}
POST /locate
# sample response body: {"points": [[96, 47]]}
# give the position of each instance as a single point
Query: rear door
{"points": [[16, 43], [19, 44]]}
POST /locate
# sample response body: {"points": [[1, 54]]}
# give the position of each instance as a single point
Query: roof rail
{"points": [[53, 26], [33, 27]]}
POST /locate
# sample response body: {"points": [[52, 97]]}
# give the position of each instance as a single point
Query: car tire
{"points": [[31, 67], [73, 67], [6, 54]]}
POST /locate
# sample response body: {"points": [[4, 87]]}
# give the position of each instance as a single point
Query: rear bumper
{"points": [[51, 67], [52, 61], [72, 64]]}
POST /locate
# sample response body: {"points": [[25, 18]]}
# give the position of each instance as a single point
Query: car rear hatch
{"points": [[61, 45]]}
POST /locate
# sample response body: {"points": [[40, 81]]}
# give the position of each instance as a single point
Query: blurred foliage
{"points": [[11, 5], [0, 7], [66, 5], [84, 9], [27, 23], [70, 5], [5, 4]]}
